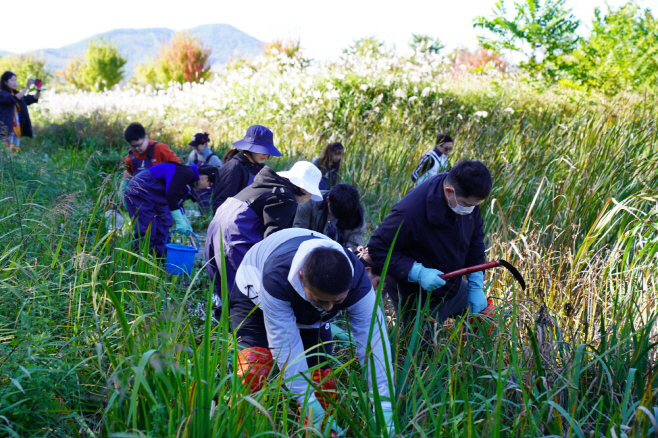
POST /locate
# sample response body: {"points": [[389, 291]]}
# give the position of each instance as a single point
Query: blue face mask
{"points": [[460, 209]]}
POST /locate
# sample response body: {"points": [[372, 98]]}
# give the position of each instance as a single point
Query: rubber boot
{"points": [[254, 365], [326, 389]]}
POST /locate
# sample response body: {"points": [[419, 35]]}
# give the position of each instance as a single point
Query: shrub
{"points": [[425, 43], [620, 52], [183, 59], [25, 67], [100, 68]]}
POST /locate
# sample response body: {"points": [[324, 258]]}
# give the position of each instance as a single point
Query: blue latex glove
{"points": [[388, 420], [181, 224], [318, 419], [428, 278], [123, 185], [477, 301], [339, 333]]}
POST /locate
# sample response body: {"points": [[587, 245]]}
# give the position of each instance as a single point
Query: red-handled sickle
{"points": [[484, 267]]}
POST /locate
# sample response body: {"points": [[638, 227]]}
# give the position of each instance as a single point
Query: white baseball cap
{"points": [[307, 176]]}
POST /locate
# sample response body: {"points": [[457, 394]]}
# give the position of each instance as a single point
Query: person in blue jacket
{"points": [[154, 197], [240, 171], [263, 208], [287, 290], [14, 117], [440, 230]]}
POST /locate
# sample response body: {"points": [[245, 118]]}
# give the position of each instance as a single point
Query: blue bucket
{"points": [[180, 258]]}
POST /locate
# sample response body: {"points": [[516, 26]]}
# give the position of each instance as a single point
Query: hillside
{"points": [[139, 44]]}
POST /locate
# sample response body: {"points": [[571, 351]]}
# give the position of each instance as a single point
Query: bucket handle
{"points": [[198, 246]]}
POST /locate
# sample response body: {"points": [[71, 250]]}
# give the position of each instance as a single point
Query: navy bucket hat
{"points": [[258, 140]]}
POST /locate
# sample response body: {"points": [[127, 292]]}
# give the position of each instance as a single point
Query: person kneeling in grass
{"points": [[287, 289], [338, 215], [154, 197], [440, 230]]}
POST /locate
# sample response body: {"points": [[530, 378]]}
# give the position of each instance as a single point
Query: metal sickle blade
{"points": [[514, 272]]}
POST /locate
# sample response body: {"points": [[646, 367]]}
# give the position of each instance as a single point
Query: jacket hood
{"points": [[267, 178]]}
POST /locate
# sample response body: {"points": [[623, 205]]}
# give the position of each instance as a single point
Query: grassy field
{"points": [[96, 340]]}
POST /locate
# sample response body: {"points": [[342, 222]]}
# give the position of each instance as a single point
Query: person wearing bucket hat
{"points": [[201, 152], [240, 171], [154, 195], [265, 207]]}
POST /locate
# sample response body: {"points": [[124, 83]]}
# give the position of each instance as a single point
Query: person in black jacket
{"points": [[240, 171], [14, 117], [440, 231], [265, 207]]}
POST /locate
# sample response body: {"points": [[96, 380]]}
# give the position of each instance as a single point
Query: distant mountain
{"points": [[136, 45]]}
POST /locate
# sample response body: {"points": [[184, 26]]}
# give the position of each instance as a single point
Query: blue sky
{"points": [[324, 28]]}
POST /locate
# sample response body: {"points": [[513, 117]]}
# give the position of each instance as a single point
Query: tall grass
{"points": [[97, 340]]}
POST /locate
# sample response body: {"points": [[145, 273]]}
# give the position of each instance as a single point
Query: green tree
{"points": [[621, 52], [183, 59], [25, 67], [100, 68], [542, 30], [425, 43]]}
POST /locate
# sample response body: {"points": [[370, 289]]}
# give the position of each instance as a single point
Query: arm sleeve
{"points": [[190, 158], [215, 161], [163, 153], [475, 255], [303, 216], [355, 238], [424, 165], [229, 183], [286, 344], [129, 165], [381, 241], [177, 188], [360, 316], [30, 99], [7, 99], [278, 215]]}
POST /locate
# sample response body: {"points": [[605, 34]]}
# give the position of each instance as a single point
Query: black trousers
{"points": [[249, 324], [407, 302]]}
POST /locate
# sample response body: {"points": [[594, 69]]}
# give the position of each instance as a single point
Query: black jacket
{"points": [[7, 104], [431, 234], [233, 176], [271, 197]]}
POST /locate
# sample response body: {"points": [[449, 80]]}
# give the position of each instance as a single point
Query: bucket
{"points": [[180, 258]]}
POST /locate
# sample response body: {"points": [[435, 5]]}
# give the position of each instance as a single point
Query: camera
{"points": [[38, 83]]}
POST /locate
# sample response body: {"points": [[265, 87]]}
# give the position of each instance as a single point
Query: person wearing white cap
{"points": [[263, 208]]}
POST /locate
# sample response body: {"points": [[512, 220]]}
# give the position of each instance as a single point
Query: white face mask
{"points": [[460, 209]]}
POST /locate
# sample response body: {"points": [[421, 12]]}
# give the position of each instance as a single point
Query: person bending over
{"points": [[154, 195], [339, 216], [440, 231], [263, 208], [287, 289]]}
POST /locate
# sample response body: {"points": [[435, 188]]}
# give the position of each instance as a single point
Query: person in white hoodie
{"points": [[287, 290]]}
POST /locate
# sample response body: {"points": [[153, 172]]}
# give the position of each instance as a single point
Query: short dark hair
{"points": [[3, 81], [134, 132], [327, 270], [443, 138], [210, 171], [470, 178], [344, 201]]}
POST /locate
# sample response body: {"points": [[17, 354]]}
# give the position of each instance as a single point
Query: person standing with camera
{"points": [[14, 117]]}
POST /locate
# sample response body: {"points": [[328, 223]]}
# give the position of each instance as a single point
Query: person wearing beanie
{"points": [[435, 161]]}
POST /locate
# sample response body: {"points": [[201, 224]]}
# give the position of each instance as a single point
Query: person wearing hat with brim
{"points": [[201, 152], [240, 171], [265, 207]]}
